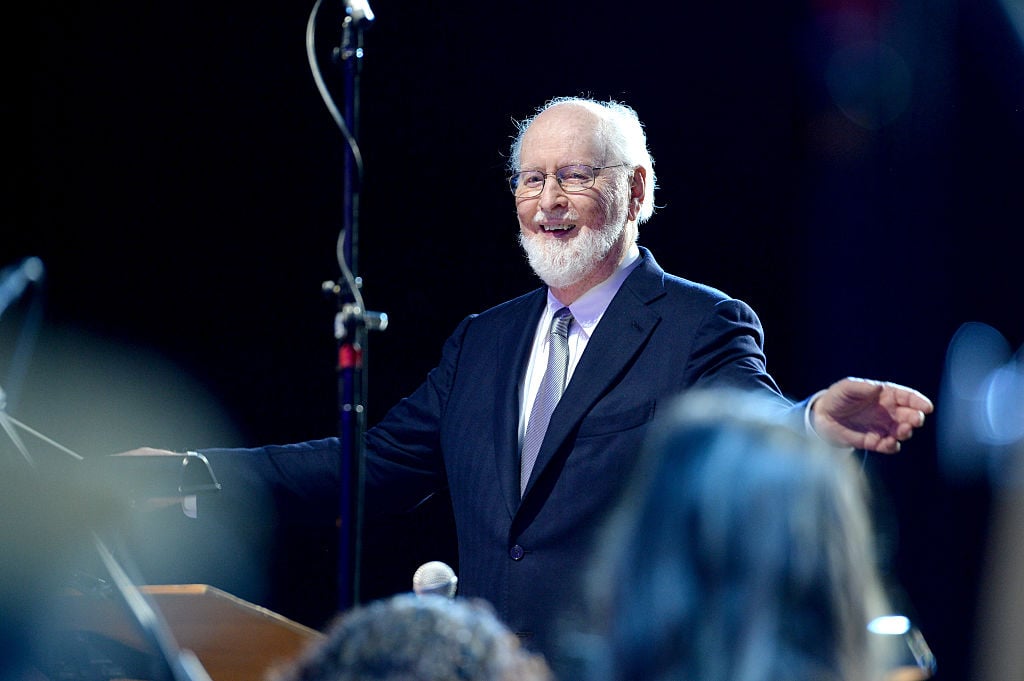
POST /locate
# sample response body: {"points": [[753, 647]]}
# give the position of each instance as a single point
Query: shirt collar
{"points": [[590, 307]]}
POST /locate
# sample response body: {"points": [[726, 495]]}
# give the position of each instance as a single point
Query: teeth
{"points": [[557, 228]]}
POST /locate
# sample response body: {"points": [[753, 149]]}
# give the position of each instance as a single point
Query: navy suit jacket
{"points": [[660, 336]]}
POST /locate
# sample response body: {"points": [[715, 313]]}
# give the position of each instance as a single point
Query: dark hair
{"points": [[741, 551], [409, 637]]}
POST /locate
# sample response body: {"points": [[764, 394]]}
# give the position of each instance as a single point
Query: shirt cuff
{"points": [[808, 422]]}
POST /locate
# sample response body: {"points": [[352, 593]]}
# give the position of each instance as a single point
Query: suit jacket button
{"points": [[516, 552]]}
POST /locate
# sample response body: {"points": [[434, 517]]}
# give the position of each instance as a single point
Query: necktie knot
{"points": [[560, 324]]}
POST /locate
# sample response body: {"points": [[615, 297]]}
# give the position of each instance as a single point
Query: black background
{"points": [[182, 180]]}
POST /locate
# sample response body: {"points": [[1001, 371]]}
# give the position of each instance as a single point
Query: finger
{"points": [[888, 445], [908, 397], [872, 441], [914, 418], [904, 431], [920, 402], [148, 451]]}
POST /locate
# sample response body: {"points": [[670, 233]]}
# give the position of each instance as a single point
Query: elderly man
{"points": [[538, 407]]}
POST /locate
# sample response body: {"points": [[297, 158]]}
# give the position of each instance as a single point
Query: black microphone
{"points": [[436, 578]]}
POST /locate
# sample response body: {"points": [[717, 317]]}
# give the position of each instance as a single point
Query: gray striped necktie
{"points": [[551, 387]]}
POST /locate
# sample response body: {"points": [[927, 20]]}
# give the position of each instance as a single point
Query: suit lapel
{"points": [[618, 338]]}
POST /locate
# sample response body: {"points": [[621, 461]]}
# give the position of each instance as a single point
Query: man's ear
{"points": [[637, 189]]}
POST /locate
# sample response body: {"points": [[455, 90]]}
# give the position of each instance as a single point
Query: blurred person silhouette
{"points": [[742, 550], [981, 444], [411, 637]]}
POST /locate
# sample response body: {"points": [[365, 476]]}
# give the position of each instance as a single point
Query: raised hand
{"points": [[867, 414]]}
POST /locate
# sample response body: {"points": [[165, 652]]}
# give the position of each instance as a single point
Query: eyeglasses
{"points": [[573, 178]]}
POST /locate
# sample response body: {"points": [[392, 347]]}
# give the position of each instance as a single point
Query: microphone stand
{"points": [[353, 321]]}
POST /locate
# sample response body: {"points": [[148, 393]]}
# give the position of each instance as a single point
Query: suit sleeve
{"points": [[292, 483], [404, 461], [729, 352]]}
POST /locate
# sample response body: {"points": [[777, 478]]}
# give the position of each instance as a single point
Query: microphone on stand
{"points": [[435, 578]]}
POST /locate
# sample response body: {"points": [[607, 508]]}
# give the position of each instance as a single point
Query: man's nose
{"points": [[552, 194]]}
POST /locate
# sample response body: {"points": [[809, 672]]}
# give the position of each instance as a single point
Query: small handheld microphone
{"points": [[436, 578]]}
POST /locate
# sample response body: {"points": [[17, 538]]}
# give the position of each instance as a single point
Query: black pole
{"points": [[352, 321]]}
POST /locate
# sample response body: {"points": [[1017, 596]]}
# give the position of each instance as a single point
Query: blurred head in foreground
{"points": [[409, 637], [742, 551]]}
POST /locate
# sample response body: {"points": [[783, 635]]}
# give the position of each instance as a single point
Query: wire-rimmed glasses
{"points": [[571, 178]]}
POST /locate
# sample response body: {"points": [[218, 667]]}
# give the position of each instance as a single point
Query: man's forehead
{"points": [[565, 119], [565, 133]]}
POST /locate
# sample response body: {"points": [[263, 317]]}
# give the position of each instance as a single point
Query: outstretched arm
{"points": [[866, 414]]}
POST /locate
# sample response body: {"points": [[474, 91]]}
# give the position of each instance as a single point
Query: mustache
{"points": [[569, 215]]}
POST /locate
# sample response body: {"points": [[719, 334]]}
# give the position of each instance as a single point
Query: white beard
{"points": [[561, 264]]}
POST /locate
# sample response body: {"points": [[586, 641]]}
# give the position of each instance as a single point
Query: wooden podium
{"points": [[233, 639]]}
